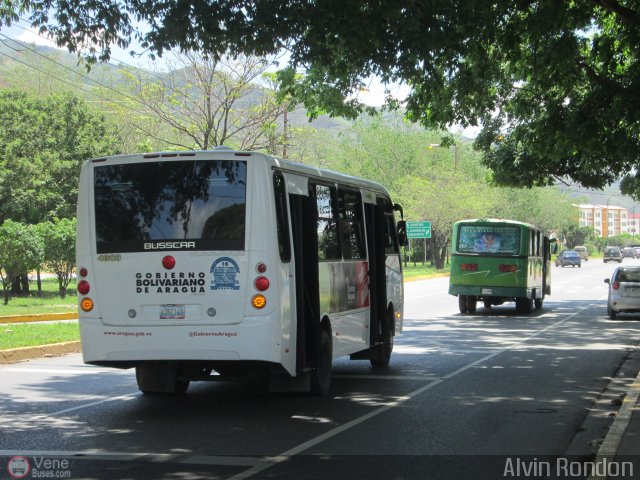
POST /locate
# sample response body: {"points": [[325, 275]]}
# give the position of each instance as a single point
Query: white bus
{"points": [[218, 264]]}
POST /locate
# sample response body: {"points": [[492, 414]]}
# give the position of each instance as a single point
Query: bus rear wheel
{"points": [[472, 303], [382, 353], [321, 375], [462, 303], [524, 305]]}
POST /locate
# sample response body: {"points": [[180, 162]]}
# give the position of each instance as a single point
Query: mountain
{"points": [[610, 195]]}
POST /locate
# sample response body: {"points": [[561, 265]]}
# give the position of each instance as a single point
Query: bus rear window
{"points": [[195, 205], [489, 239]]}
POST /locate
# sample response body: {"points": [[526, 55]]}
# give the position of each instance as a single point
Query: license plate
{"points": [[172, 312], [487, 291]]}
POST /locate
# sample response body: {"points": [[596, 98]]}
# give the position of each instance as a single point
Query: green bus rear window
{"points": [[489, 239]]}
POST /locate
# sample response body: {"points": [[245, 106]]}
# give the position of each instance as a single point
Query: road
{"points": [[463, 395]]}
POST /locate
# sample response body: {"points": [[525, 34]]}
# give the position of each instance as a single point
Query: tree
{"points": [[443, 198], [59, 241], [576, 235], [554, 84], [547, 208], [43, 143], [207, 101], [20, 251], [438, 184]]}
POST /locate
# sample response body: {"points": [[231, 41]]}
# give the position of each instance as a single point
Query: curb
{"points": [[38, 317], [612, 441], [26, 353]]}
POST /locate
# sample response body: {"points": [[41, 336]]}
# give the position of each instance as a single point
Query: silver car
{"points": [[624, 291]]}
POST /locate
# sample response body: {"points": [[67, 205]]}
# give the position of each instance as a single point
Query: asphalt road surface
{"points": [[473, 396]]}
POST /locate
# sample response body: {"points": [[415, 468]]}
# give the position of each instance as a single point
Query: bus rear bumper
{"points": [[253, 340], [490, 292]]}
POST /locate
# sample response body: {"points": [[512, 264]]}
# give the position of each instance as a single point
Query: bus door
{"points": [[546, 275], [376, 233], [304, 215]]}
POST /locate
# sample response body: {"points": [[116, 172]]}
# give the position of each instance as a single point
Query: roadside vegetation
{"points": [[17, 335], [48, 301]]}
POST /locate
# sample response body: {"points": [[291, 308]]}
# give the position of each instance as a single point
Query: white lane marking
{"points": [[387, 377], [268, 463], [81, 371], [93, 454], [127, 396]]}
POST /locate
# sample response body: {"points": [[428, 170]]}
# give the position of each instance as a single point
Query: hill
{"points": [[610, 195]]}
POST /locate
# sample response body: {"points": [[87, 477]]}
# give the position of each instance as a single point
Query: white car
{"points": [[624, 291]]}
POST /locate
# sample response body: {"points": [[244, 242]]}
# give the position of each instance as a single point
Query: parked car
{"points": [[612, 254], [624, 291], [582, 251], [628, 252], [568, 257]]}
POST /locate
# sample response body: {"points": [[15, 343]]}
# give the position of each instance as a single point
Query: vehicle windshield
{"points": [[571, 254], [489, 239], [200, 201], [629, 275]]}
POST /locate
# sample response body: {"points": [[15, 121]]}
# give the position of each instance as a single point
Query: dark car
{"points": [[569, 257], [612, 254]]}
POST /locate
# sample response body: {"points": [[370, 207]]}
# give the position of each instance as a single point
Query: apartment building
{"points": [[633, 223], [606, 220]]}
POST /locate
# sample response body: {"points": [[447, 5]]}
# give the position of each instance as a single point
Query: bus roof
{"points": [[277, 163]]}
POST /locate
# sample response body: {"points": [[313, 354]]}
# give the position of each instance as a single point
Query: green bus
{"points": [[495, 261]]}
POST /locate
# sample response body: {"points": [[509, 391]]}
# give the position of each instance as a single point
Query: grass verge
{"points": [[18, 335], [48, 302], [421, 272]]}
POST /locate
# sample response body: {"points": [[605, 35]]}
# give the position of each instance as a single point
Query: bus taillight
{"points": [[469, 267], [86, 304], [83, 287], [261, 283], [259, 301], [261, 268], [168, 262], [507, 268], [83, 272]]}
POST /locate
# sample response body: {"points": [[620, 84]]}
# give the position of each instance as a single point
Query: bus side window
{"points": [[282, 217], [351, 225], [532, 243], [391, 245], [328, 240]]}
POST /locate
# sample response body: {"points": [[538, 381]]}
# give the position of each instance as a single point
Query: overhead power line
{"points": [[69, 83]]}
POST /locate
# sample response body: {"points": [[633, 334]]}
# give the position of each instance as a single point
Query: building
{"points": [[606, 220], [633, 223]]}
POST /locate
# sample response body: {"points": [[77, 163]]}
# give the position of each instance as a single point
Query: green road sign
{"points": [[419, 229]]}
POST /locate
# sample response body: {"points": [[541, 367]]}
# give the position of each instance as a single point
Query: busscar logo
{"points": [[169, 245]]}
